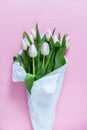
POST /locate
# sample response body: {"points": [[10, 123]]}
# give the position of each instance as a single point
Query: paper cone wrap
{"points": [[44, 96]]}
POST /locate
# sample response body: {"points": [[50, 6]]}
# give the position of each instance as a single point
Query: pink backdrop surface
{"points": [[68, 16]]}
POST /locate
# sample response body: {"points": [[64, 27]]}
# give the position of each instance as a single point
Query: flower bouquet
{"points": [[41, 64]]}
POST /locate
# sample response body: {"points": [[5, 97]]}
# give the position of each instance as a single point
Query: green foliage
{"points": [[59, 58], [37, 34], [51, 42], [59, 37], [27, 61], [53, 31], [29, 80], [53, 60], [64, 41], [38, 58], [50, 65], [19, 58], [57, 45], [48, 59], [25, 35]]}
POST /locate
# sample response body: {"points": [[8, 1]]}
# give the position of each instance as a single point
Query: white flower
{"points": [[33, 32], [32, 51], [20, 52], [48, 34], [25, 43], [31, 38], [55, 39], [45, 49], [68, 39]]}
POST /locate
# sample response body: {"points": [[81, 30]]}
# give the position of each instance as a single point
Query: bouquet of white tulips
{"points": [[41, 64]]}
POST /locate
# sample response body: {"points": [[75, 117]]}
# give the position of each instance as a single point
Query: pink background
{"points": [[68, 16]]}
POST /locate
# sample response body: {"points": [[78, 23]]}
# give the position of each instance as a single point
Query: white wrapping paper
{"points": [[44, 96]]}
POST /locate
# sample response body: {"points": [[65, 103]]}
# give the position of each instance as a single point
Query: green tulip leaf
{"points": [[37, 34], [19, 58], [27, 61], [51, 42], [59, 58], [48, 59], [59, 37], [25, 35], [64, 41], [53, 31], [51, 64], [40, 71], [57, 44], [29, 81]]}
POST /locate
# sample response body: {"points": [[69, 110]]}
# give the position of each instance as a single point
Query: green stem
{"points": [[43, 61], [33, 66]]}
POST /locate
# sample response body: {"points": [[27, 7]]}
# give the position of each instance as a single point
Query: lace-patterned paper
{"points": [[44, 96]]}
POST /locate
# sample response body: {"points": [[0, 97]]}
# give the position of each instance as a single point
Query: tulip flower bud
{"points": [[32, 51], [45, 49], [31, 38], [25, 43], [55, 39], [68, 39], [33, 32], [48, 34], [20, 52]]}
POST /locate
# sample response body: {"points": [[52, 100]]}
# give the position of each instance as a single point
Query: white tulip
{"points": [[25, 43], [45, 49], [68, 39], [55, 39], [48, 34], [20, 52], [32, 51], [33, 32], [31, 38]]}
